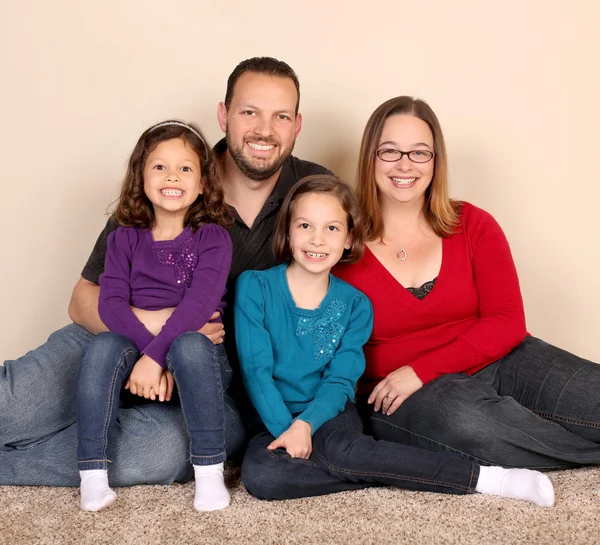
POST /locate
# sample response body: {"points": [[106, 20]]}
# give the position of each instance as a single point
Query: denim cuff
{"points": [[86, 465], [208, 460]]}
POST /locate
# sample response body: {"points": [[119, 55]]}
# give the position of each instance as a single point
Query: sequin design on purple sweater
{"points": [[183, 259], [326, 329]]}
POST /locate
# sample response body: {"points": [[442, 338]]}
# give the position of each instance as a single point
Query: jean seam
{"points": [[221, 397], [103, 463], [541, 386], [125, 353], [100, 460], [111, 402], [429, 439], [219, 455], [470, 487], [187, 430], [181, 401], [567, 419], [452, 449], [326, 465]]}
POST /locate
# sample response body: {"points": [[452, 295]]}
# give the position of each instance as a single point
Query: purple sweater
{"points": [[188, 272]]}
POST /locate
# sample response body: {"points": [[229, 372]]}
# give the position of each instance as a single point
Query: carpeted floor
{"points": [[161, 514]]}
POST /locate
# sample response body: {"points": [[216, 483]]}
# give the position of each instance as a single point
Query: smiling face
{"points": [[260, 124], [172, 178], [318, 232], [404, 181]]}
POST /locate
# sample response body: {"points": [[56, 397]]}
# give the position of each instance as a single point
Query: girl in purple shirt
{"points": [[171, 253]]}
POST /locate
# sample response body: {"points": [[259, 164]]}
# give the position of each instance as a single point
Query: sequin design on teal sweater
{"points": [[326, 329]]}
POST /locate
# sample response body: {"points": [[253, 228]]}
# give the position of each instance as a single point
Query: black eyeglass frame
{"points": [[403, 153]]}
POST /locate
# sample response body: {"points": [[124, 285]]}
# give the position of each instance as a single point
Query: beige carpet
{"points": [[164, 514]]}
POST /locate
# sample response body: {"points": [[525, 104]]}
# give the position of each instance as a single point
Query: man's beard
{"points": [[248, 168]]}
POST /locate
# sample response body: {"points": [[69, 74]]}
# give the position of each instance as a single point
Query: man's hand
{"points": [[296, 440], [395, 389], [144, 380], [214, 331], [165, 390]]}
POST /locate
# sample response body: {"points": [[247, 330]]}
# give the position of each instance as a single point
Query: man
{"points": [[38, 437]]}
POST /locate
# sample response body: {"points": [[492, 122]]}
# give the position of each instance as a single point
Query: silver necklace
{"points": [[402, 254]]}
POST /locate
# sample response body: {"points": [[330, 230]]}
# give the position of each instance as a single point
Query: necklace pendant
{"points": [[401, 255]]}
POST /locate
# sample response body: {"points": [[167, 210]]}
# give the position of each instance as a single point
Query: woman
{"points": [[450, 365]]}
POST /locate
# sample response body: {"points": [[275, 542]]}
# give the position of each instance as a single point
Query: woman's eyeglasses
{"points": [[391, 155]]}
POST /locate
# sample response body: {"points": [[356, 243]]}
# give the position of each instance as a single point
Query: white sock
{"points": [[95, 492], [519, 484], [211, 493]]}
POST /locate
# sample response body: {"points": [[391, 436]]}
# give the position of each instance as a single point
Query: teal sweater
{"points": [[295, 360]]}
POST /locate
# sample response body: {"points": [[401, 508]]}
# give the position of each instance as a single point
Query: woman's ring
{"points": [[388, 399]]}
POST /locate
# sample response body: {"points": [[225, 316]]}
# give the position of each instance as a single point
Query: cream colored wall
{"points": [[513, 82]]}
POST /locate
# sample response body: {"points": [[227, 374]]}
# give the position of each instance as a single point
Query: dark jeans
{"points": [[343, 458], [538, 407], [201, 373]]}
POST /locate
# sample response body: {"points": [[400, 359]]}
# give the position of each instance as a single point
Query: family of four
{"points": [[374, 337]]}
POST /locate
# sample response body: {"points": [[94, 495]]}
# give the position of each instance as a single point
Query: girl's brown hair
{"points": [[321, 183], [134, 209], [439, 210]]}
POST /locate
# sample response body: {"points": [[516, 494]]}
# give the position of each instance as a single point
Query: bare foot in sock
{"points": [[519, 484], [211, 493], [95, 492]]}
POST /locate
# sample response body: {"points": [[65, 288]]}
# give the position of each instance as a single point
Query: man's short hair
{"points": [[267, 66]]}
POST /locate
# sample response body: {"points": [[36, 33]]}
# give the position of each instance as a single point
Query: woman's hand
{"points": [[145, 378], [296, 440], [394, 389]]}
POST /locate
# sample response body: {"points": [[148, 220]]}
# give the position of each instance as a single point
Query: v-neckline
{"points": [[397, 289]]}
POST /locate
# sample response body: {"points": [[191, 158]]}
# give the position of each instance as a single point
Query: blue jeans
{"points": [[538, 407], [343, 458], [38, 433], [201, 373]]}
